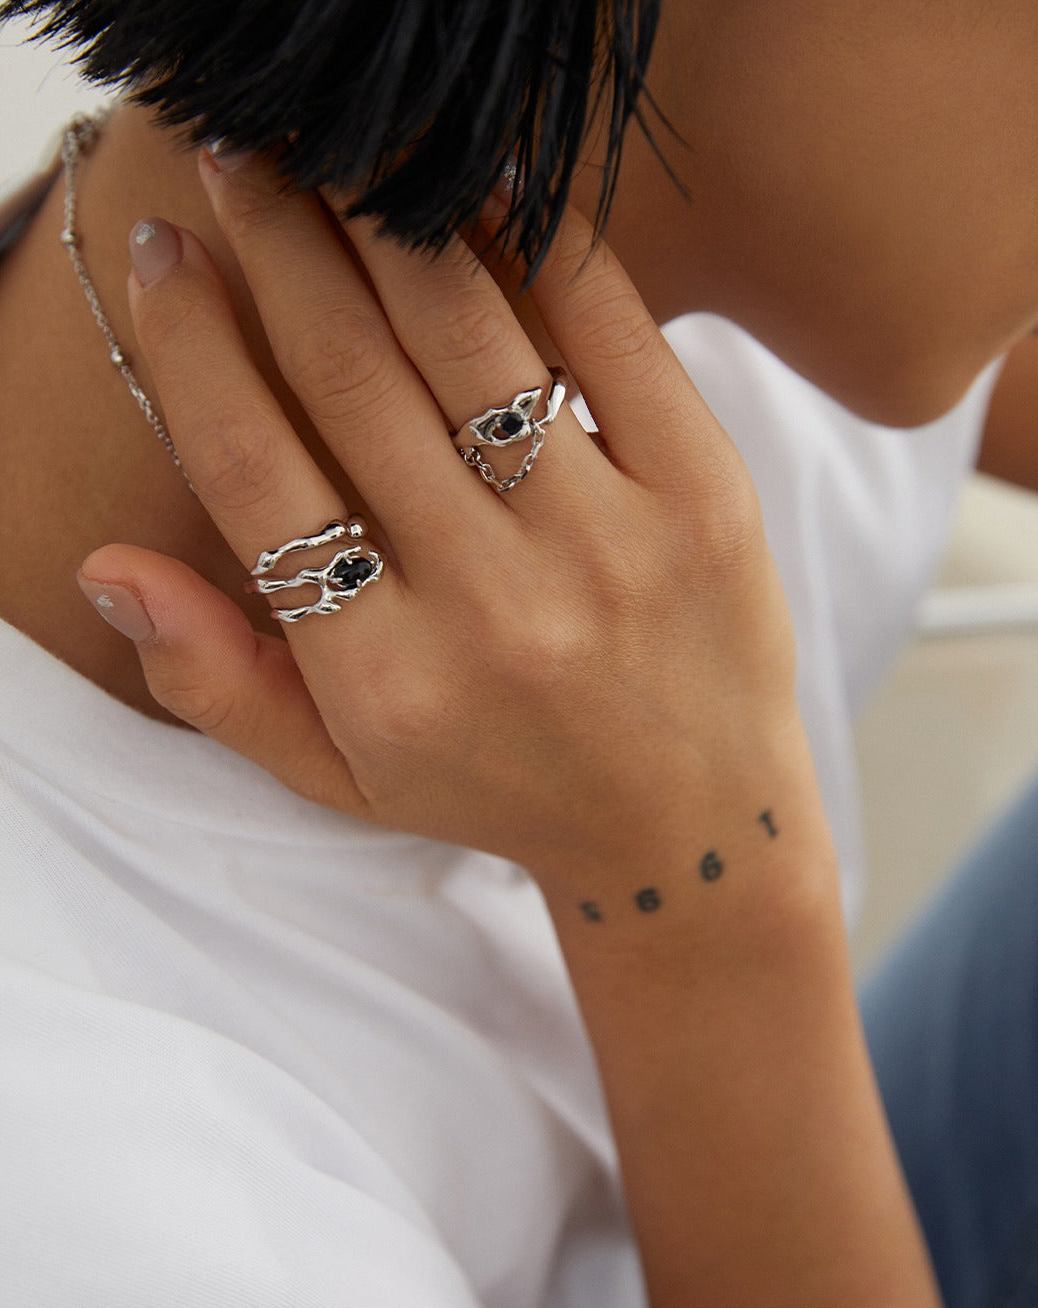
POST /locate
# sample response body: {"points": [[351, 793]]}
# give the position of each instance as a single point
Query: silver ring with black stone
{"points": [[341, 579], [499, 428]]}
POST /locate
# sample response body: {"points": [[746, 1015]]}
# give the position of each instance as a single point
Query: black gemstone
{"points": [[352, 573], [511, 424]]}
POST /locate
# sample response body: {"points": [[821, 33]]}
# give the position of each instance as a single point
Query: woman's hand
{"points": [[591, 674], [551, 674]]}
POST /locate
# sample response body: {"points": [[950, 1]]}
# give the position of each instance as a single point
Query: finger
{"points": [[651, 417], [245, 462], [205, 665], [338, 352], [464, 339]]}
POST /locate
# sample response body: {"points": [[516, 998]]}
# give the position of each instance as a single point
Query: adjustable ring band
{"points": [[340, 579], [507, 426]]}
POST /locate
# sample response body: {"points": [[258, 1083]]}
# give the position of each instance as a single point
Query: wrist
{"points": [[751, 845]]}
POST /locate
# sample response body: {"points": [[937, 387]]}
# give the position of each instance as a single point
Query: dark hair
{"points": [[414, 105]]}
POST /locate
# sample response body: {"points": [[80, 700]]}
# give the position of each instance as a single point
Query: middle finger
{"points": [[339, 354]]}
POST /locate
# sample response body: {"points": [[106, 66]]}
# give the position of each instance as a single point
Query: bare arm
{"points": [[755, 1153]]}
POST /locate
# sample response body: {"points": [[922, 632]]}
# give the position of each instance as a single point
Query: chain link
{"points": [[80, 135], [535, 428], [474, 459]]}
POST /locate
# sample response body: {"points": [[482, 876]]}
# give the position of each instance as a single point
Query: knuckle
{"points": [[621, 585], [194, 700], [536, 645], [343, 365], [408, 716], [472, 331], [619, 331], [237, 468], [727, 528], [168, 314], [248, 209], [551, 650], [573, 261]]}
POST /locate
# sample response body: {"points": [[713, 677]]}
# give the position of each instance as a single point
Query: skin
{"points": [[584, 677], [864, 183]]}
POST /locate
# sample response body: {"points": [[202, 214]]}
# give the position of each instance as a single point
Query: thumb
{"points": [[205, 664]]}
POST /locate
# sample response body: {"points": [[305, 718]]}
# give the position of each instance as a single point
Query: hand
{"points": [[554, 675], [591, 675]]}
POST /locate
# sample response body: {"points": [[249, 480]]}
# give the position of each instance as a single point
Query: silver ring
{"points": [[340, 579], [507, 426]]}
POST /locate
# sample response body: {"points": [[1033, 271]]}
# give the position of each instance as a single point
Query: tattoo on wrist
{"points": [[648, 900], [711, 868]]}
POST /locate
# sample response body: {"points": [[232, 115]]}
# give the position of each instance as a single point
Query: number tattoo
{"points": [[710, 867]]}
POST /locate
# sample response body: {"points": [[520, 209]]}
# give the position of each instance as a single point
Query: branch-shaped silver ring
{"points": [[340, 579], [507, 426]]}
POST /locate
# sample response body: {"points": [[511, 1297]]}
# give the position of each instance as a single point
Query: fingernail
{"points": [[225, 158], [509, 174], [499, 202], [119, 607], [155, 249]]}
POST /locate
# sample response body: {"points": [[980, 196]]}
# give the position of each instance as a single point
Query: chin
{"points": [[902, 395], [907, 409]]}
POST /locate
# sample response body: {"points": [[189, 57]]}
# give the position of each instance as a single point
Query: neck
{"points": [[84, 467]]}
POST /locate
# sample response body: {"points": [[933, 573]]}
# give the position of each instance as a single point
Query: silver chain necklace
{"points": [[79, 136]]}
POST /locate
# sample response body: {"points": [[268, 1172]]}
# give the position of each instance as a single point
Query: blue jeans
{"points": [[952, 1022]]}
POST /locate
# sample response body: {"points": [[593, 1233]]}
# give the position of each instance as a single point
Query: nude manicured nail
{"points": [[509, 175], [155, 249], [226, 158], [499, 202], [119, 607]]}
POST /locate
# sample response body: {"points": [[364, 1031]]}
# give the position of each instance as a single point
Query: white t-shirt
{"points": [[253, 1053]]}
